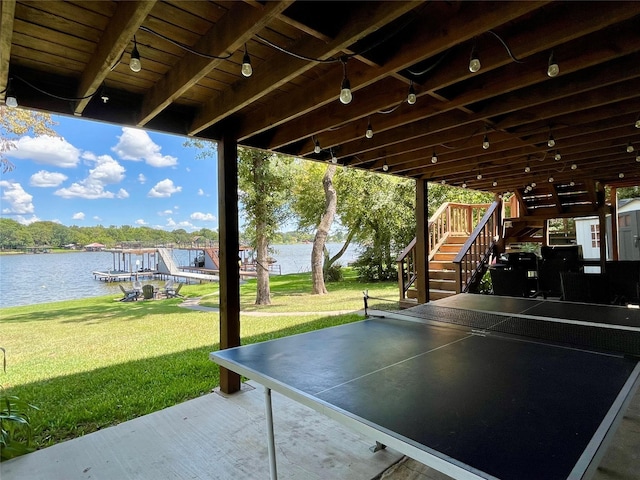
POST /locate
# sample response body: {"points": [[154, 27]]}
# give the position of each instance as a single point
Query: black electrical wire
{"points": [[69, 99], [185, 47], [504, 44]]}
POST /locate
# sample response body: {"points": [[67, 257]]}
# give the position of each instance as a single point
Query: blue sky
{"points": [[101, 174]]}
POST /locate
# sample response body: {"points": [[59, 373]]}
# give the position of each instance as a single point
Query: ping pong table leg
{"points": [[273, 473]]}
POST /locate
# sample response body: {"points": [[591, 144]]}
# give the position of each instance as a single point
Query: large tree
{"points": [[16, 122], [264, 181]]}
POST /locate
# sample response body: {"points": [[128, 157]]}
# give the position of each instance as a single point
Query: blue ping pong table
{"points": [[476, 387]]}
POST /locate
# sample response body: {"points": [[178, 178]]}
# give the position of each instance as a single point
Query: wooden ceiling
{"points": [[62, 56]]}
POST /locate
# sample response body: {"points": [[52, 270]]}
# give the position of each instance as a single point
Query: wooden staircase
{"points": [[459, 238]]}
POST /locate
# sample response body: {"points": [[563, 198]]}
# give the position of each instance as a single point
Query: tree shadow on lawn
{"points": [[74, 405], [98, 311]]}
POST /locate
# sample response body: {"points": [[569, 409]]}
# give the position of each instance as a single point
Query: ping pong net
{"points": [[617, 339]]}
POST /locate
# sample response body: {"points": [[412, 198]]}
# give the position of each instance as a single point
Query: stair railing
{"points": [[473, 258], [450, 219]]}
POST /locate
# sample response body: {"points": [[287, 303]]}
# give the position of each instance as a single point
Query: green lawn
{"points": [[88, 364]]}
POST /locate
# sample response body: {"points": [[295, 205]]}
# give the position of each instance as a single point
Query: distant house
{"points": [[94, 247]]}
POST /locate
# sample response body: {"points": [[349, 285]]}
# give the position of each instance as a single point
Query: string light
{"points": [[574, 166], [550, 179], [638, 122], [474, 61], [385, 167], [246, 69], [638, 158], [557, 156], [485, 142], [495, 183], [630, 148], [10, 99], [369, 132], [551, 142], [479, 176], [527, 169], [316, 148], [345, 89], [464, 184], [553, 69], [443, 181], [411, 97], [572, 183], [434, 157], [534, 184], [621, 175], [134, 62]]}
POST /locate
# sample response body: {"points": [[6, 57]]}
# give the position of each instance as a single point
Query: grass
{"points": [[92, 363]]}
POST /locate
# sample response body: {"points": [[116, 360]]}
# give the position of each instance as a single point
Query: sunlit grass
{"points": [[92, 363]]}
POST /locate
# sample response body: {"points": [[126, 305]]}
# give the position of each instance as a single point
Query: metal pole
{"points": [[273, 473]]}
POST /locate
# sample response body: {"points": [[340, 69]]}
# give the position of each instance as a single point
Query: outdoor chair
{"points": [[137, 286], [510, 282], [174, 292], [585, 287], [624, 279], [148, 292], [129, 295]]}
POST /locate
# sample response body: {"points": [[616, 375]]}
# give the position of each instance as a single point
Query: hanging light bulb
{"points": [[572, 183], [527, 188], [334, 159], [434, 157], [638, 158], [495, 183], [134, 61], [630, 148], [474, 61], [550, 179], [638, 123], [479, 176], [104, 96], [621, 175], [485, 142], [534, 184], [443, 181], [345, 89], [246, 69], [317, 148], [385, 167], [551, 142], [552, 69], [10, 100], [557, 156], [464, 184], [574, 166], [411, 97], [369, 132], [527, 169]]}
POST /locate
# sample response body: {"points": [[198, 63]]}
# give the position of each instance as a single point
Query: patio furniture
{"points": [[624, 280], [129, 295], [585, 287], [148, 292], [174, 292]]}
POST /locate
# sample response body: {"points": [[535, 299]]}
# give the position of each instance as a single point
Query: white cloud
{"points": [[46, 150], [137, 146], [164, 189], [25, 220], [206, 217], [47, 179], [166, 212], [78, 216], [140, 221], [97, 218], [142, 179], [107, 171], [15, 199], [200, 192]]}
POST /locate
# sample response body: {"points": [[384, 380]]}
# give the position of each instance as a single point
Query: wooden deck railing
{"points": [[449, 219], [472, 260]]}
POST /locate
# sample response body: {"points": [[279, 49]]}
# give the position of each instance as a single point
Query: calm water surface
{"points": [[41, 278]]}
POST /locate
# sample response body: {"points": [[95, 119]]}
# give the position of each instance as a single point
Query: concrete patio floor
{"points": [[211, 437]]}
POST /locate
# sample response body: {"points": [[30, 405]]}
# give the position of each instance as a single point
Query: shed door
{"points": [[629, 235]]}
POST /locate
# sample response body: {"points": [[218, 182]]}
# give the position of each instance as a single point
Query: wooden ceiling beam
{"points": [[429, 40], [235, 28], [282, 68], [118, 34], [7, 15]]}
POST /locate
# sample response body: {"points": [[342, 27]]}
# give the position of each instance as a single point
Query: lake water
{"points": [[40, 278]]}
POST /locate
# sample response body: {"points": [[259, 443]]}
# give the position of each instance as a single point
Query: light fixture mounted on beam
{"points": [[10, 99], [411, 96], [369, 132], [552, 68], [434, 157], [474, 61]]}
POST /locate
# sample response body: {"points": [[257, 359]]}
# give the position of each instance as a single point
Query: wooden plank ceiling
{"points": [[63, 57]]}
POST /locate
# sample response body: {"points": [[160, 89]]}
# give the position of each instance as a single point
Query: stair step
{"points": [[438, 294], [441, 265], [457, 239], [442, 284], [449, 247], [445, 256], [442, 274]]}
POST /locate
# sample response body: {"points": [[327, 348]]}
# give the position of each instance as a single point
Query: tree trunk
{"points": [[317, 253], [263, 294]]}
